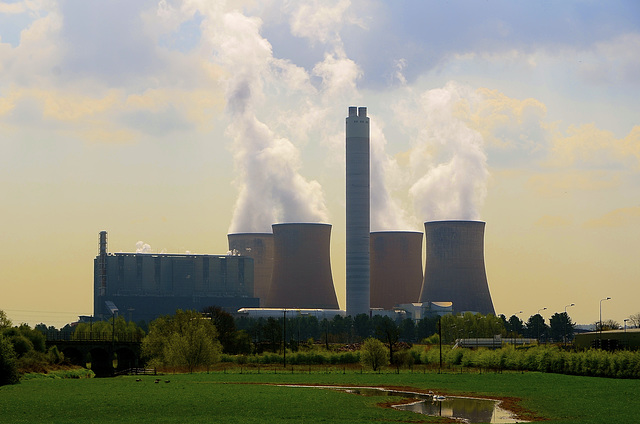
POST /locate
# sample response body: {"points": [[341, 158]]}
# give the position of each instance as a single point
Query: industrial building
{"points": [[259, 247], [144, 286], [454, 266]]}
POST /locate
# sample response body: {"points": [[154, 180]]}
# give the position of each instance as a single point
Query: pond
{"points": [[465, 409]]}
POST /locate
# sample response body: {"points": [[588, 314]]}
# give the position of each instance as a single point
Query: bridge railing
{"points": [[92, 336]]}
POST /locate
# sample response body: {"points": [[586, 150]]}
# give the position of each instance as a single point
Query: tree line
{"points": [[192, 339]]}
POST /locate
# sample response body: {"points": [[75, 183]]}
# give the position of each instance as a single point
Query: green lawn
{"points": [[220, 397]]}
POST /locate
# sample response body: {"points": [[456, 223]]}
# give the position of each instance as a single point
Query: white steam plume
{"points": [[449, 159], [142, 247], [386, 213], [271, 188]]}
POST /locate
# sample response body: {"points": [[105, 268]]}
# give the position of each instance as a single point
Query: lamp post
{"points": [[601, 300], [625, 333], [440, 342], [513, 333], [566, 318], [284, 338], [538, 325]]}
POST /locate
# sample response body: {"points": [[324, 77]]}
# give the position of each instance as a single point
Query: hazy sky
{"points": [[175, 122]]}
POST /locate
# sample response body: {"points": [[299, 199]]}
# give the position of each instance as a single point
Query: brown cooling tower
{"points": [[454, 269], [396, 268], [301, 275], [258, 246]]}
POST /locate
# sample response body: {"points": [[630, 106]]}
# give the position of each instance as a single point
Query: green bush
{"points": [[21, 345], [403, 359], [8, 365], [551, 359], [61, 374], [54, 355], [33, 361], [374, 354]]}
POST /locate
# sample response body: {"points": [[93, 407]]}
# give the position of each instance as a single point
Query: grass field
{"points": [[231, 398]]}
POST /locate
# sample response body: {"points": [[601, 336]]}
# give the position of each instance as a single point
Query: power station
{"points": [[290, 268], [358, 211]]}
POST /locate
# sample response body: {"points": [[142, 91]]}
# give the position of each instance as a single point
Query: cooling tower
{"points": [[259, 247], [301, 275], [454, 268], [358, 210], [396, 268]]}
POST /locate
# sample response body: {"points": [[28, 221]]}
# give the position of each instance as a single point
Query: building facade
{"points": [[144, 286]]}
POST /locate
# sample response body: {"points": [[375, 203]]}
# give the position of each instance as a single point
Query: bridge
{"points": [[105, 353]]}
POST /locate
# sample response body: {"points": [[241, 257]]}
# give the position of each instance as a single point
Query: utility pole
{"points": [[284, 338], [440, 341]]}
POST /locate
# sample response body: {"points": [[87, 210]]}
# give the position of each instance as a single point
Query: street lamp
{"points": [[514, 333], [625, 333], [601, 300], [566, 318], [538, 324]]}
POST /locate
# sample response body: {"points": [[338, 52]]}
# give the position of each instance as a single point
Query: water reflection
{"points": [[471, 410]]}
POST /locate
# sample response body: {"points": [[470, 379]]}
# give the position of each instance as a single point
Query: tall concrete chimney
{"points": [[102, 262], [259, 247], [454, 268], [358, 211], [396, 268], [301, 275]]}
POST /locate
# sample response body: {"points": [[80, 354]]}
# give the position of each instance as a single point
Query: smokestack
{"points": [[358, 211], [258, 246], [396, 268], [301, 267], [102, 262], [454, 268]]}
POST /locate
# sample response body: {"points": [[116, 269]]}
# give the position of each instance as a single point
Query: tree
{"points": [[561, 327], [120, 330], [387, 331], [185, 339], [362, 326], [536, 328], [373, 354], [273, 333], [408, 330], [5, 322], [8, 366], [516, 326], [426, 327], [470, 325], [225, 325], [608, 325], [635, 320]]}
